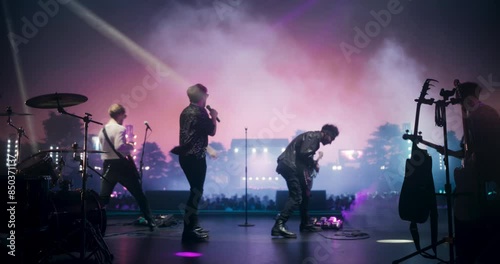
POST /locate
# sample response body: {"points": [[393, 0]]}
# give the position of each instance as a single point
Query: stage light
{"points": [[147, 168], [188, 254], [282, 149], [382, 167], [243, 178], [339, 167], [276, 178], [250, 178], [254, 150], [256, 178], [270, 178], [236, 150], [394, 241], [265, 150]]}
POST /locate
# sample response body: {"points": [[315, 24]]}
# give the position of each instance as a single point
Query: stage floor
{"points": [[230, 243]]}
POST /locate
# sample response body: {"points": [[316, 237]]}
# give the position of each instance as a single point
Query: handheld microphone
{"points": [[209, 109], [147, 126]]}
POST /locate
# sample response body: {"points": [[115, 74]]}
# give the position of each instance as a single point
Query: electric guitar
{"points": [[131, 163], [419, 139], [311, 173]]}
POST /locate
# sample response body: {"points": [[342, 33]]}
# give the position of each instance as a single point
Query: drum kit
{"points": [[68, 220]]}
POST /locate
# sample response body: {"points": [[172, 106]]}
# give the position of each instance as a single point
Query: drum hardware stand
{"points": [[450, 239], [246, 224], [101, 249], [20, 133]]}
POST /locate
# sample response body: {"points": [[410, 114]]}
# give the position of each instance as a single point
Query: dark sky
{"points": [[272, 66]]}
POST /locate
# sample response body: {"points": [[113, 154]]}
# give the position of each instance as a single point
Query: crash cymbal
{"points": [[70, 150], [9, 112], [51, 101]]}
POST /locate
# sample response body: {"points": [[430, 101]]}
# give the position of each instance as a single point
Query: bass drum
{"points": [[65, 215]]}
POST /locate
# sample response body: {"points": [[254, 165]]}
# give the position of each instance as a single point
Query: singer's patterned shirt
{"points": [[195, 126]]}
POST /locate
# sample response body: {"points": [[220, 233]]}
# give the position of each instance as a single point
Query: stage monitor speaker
{"points": [[167, 200], [317, 202]]}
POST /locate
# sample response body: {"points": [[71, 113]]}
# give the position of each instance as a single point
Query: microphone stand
{"points": [[246, 224], [141, 163]]}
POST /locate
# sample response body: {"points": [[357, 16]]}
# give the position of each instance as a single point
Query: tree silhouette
{"points": [[386, 147], [438, 168], [155, 165], [175, 176], [385, 156], [63, 130]]}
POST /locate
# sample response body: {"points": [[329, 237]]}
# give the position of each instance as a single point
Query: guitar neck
{"points": [[429, 144]]}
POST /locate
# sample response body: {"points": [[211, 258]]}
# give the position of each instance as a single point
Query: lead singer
{"points": [[195, 127]]}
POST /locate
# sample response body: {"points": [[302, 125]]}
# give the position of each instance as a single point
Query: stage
{"points": [[357, 242]]}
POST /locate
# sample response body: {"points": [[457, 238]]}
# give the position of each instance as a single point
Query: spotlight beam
{"points": [[20, 79], [136, 51]]}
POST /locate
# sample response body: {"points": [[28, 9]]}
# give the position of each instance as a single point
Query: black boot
{"points": [[193, 236], [200, 229], [151, 223], [309, 228], [280, 230]]}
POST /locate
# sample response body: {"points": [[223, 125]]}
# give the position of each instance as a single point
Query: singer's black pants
{"points": [[195, 169], [297, 194], [118, 171]]}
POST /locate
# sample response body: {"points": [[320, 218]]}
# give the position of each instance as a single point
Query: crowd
{"points": [[220, 202]]}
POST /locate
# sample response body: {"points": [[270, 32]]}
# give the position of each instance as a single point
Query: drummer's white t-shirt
{"points": [[116, 134]]}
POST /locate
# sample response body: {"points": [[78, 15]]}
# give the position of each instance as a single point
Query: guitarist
{"points": [[295, 165], [117, 167], [477, 229]]}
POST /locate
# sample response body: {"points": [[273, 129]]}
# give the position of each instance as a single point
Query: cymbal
{"points": [[70, 150], [50, 101], [14, 114]]}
